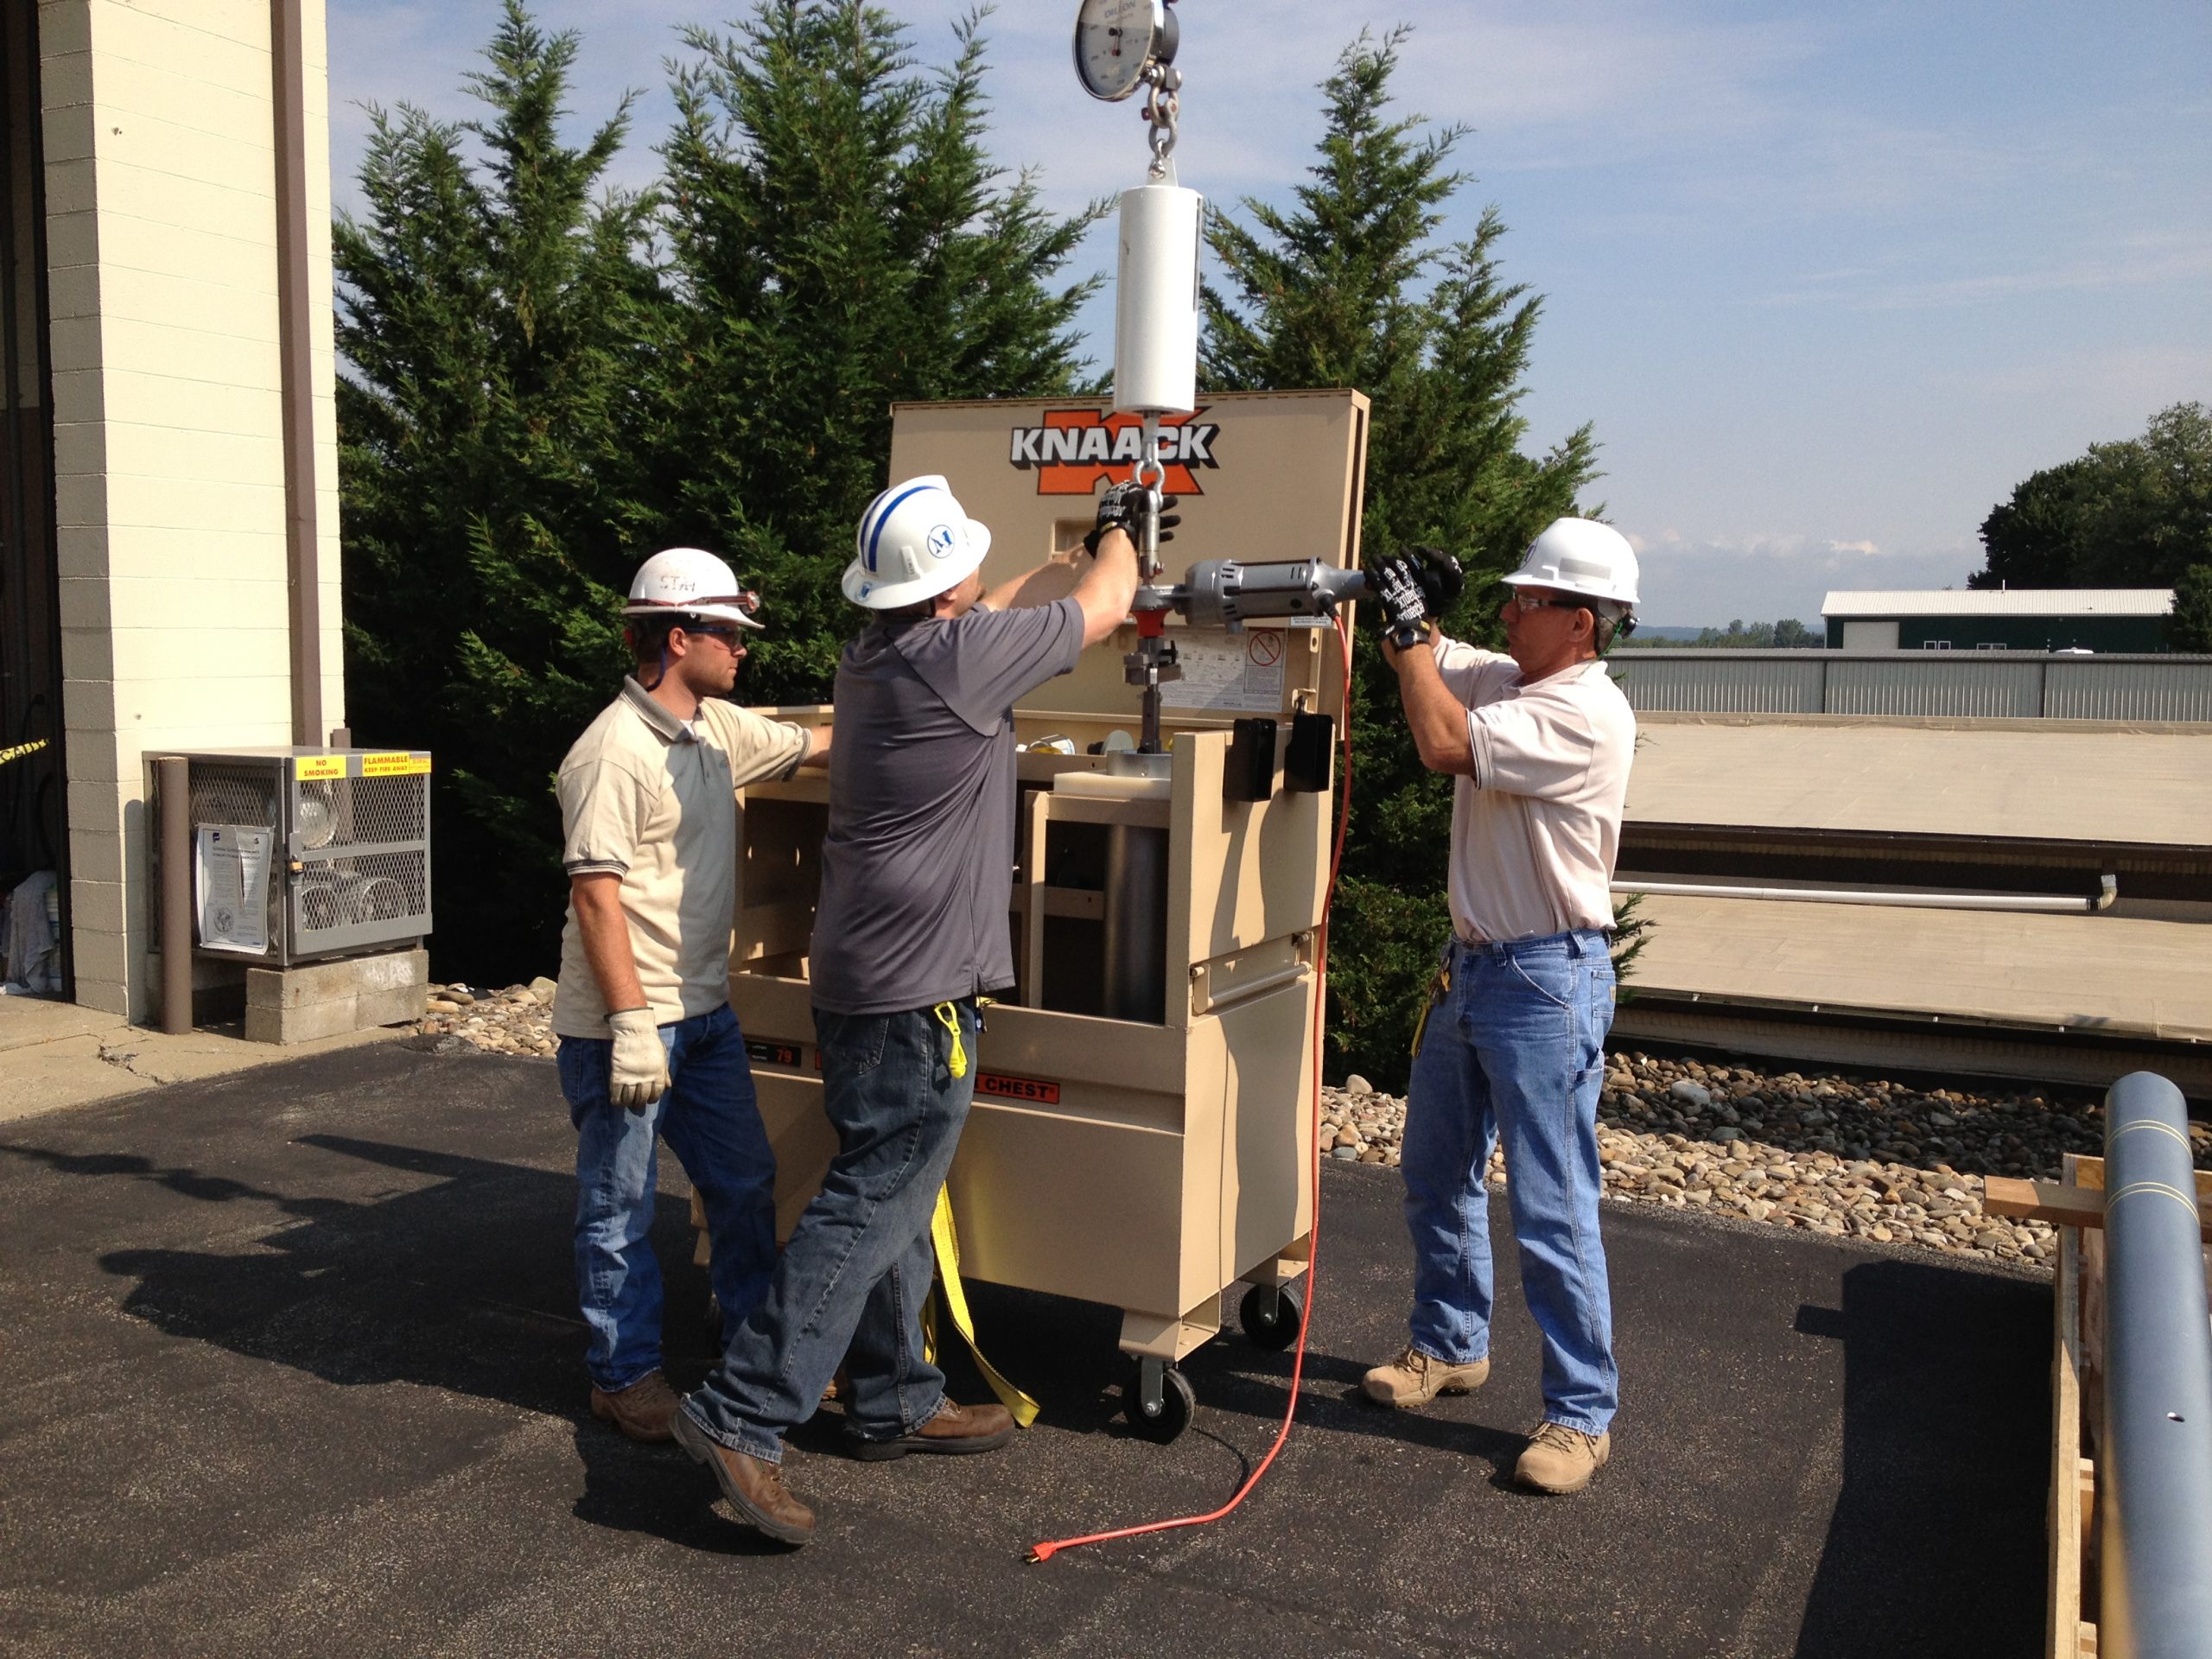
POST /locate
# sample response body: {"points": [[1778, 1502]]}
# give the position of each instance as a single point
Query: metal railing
{"points": [[2155, 1485]]}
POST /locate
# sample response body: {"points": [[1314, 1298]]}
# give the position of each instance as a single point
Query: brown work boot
{"points": [[956, 1429], [1414, 1378], [1560, 1460], [642, 1411], [753, 1485]]}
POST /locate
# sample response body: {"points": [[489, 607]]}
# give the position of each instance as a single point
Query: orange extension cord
{"points": [[1044, 1552]]}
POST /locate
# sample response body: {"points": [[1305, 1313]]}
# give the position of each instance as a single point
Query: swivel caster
{"points": [[1270, 1315], [1157, 1400]]}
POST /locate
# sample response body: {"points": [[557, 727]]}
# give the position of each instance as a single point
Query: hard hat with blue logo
{"points": [[914, 543]]}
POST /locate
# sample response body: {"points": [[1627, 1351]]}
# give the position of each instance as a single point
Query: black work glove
{"points": [[1441, 580], [1401, 604], [1122, 508]]}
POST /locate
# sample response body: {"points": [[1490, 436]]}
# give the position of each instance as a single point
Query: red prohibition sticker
{"points": [[1264, 647], [998, 1086]]}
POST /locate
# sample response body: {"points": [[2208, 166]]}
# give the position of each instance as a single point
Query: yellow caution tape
{"points": [[22, 749], [950, 1021], [948, 1267]]}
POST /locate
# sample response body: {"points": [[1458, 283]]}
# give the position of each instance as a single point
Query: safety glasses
{"points": [[1531, 602]]}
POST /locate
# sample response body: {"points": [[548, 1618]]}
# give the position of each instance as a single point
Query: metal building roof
{"points": [[2018, 602]]}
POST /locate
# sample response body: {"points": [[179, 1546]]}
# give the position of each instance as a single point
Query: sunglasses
{"points": [[728, 633]]}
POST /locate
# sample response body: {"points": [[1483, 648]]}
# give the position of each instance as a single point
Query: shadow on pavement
{"points": [[1938, 1492]]}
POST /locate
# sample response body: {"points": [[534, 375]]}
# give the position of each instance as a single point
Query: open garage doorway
{"points": [[34, 840]]}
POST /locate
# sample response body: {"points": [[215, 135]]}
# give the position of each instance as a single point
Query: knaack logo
{"points": [[1073, 450]]}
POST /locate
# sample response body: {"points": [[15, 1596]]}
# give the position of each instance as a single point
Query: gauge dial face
{"points": [[1113, 43]]}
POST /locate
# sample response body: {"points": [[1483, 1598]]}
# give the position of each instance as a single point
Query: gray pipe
{"points": [[2155, 1480], [173, 782]]}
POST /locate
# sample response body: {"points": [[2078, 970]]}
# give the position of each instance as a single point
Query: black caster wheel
{"points": [[1157, 1401], [1270, 1316]]}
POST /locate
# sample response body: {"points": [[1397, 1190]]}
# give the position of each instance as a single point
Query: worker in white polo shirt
{"points": [[1512, 1046], [650, 1046]]}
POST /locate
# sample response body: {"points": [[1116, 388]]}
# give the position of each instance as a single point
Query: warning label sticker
{"points": [[1241, 674]]}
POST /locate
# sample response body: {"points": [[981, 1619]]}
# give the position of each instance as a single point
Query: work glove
{"points": [[1122, 508], [1400, 601], [1441, 580], [639, 1074]]}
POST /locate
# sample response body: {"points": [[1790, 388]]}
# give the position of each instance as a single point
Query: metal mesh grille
{"points": [[379, 887], [243, 794]]}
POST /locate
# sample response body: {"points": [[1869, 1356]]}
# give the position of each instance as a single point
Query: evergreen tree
{"points": [[492, 322], [548, 380], [842, 241], [1350, 288]]}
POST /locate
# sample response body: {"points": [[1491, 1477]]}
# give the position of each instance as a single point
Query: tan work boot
{"points": [[642, 1411], [1560, 1460], [954, 1428], [753, 1485], [1414, 1378]]}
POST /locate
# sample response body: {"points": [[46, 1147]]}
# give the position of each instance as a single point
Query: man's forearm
{"points": [[1054, 579], [1108, 587], [1437, 719], [606, 932]]}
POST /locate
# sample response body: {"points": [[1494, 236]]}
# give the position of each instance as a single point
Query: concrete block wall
{"points": [[159, 133]]}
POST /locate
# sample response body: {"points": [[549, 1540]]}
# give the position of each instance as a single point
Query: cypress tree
{"points": [[840, 240], [546, 379], [493, 326], [1349, 286]]}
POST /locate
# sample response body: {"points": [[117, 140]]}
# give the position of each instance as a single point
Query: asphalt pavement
{"points": [[293, 1366]]}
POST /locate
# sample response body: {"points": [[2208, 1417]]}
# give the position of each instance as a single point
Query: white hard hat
{"points": [[914, 542], [689, 582], [1580, 556]]}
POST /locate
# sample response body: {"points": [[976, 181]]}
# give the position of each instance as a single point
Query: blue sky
{"points": [[1827, 281]]}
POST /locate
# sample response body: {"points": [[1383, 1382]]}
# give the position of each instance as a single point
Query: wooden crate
{"points": [[2076, 1205]]}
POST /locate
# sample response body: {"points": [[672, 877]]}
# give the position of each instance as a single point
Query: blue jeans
{"points": [[711, 1121], [856, 1268], [1516, 1049]]}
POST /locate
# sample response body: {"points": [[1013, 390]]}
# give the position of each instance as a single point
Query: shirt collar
{"points": [[670, 729]]}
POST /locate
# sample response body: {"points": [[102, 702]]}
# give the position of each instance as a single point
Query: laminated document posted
{"points": [[1243, 674], [231, 887]]}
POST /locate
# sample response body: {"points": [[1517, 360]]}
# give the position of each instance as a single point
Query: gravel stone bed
{"points": [[1847, 1157]]}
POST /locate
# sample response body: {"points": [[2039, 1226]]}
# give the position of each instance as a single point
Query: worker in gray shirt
{"points": [[912, 925]]}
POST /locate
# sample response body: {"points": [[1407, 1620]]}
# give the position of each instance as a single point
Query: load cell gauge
{"points": [[1117, 41]]}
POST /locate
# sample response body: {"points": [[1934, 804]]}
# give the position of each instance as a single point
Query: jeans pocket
{"points": [[854, 1041], [1555, 987]]}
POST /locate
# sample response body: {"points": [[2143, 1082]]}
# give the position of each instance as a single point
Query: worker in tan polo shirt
{"points": [[650, 1046], [1512, 1047]]}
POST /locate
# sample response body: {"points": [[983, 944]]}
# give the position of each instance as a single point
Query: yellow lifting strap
{"points": [[948, 1267], [1437, 989]]}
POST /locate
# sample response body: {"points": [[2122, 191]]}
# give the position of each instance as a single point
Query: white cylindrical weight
{"points": [[1156, 301]]}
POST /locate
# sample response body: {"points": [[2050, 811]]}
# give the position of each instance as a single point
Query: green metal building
{"points": [[2100, 619]]}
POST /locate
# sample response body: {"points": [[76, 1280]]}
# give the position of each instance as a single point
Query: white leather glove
{"points": [[638, 1076]]}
